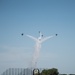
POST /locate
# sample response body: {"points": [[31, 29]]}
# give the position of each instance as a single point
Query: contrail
{"points": [[38, 41]]}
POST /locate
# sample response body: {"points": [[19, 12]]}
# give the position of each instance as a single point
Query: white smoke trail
{"points": [[37, 48], [36, 55]]}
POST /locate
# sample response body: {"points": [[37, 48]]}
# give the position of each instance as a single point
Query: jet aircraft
{"points": [[22, 34]]}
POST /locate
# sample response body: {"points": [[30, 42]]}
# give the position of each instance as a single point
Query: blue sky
{"points": [[29, 17]]}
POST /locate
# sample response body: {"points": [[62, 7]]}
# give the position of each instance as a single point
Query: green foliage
{"points": [[52, 71]]}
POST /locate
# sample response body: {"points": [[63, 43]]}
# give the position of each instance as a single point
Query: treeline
{"points": [[52, 71]]}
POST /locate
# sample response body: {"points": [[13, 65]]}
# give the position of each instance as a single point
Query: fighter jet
{"points": [[22, 34], [40, 37], [56, 34]]}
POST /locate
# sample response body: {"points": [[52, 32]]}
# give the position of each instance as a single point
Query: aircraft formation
{"points": [[40, 39]]}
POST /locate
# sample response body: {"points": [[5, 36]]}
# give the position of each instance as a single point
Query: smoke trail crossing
{"points": [[38, 41]]}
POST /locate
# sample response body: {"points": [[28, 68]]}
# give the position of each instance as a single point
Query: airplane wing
{"points": [[46, 38], [35, 39]]}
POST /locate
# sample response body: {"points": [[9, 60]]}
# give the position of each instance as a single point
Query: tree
{"points": [[52, 71]]}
